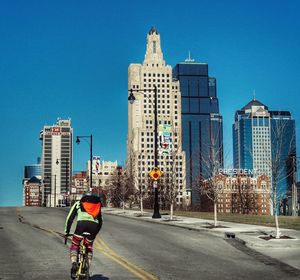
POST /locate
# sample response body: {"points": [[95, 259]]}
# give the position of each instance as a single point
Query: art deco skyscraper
{"points": [[143, 78], [56, 162]]}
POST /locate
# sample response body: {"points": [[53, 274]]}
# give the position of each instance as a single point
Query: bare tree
{"points": [[277, 165], [209, 187], [276, 162], [211, 163], [142, 182], [121, 188], [171, 182], [246, 197], [169, 187]]}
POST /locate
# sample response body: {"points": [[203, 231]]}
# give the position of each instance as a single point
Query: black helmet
{"points": [[87, 193]]}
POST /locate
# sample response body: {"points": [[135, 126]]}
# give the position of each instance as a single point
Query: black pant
{"points": [[87, 226]]}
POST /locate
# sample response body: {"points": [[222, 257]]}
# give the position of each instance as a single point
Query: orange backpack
{"points": [[92, 208]]}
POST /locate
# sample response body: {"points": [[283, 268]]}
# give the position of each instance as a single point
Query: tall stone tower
{"points": [[143, 79]]}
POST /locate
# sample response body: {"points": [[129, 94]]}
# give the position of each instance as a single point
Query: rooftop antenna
{"points": [[189, 59], [254, 97]]}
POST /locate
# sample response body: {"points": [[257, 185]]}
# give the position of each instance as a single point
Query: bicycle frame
{"points": [[83, 262], [83, 267]]}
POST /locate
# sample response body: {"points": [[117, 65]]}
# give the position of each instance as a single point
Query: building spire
{"points": [[154, 55]]}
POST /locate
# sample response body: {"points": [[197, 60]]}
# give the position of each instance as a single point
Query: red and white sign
{"points": [[55, 130]]}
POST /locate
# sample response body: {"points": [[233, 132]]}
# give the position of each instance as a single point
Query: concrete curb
{"points": [[227, 232], [167, 223]]}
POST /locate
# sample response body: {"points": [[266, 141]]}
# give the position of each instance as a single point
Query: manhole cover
{"points": [[212, 226]]}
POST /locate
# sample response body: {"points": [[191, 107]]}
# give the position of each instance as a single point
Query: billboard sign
{"points": [[165, 139], [96, 165]]}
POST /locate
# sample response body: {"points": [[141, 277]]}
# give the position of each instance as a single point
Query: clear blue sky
{"points": [[70, 59]]}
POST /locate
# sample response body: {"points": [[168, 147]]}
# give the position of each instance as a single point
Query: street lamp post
{"points": [[131, 100], [91, 155], [49, 177], [67, 176], [294, 189]]}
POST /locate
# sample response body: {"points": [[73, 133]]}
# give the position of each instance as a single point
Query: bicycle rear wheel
{"points": [[85, 269], [87, 272]]}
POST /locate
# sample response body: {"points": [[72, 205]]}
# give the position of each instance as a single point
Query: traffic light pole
{"points": [[155, 177]]}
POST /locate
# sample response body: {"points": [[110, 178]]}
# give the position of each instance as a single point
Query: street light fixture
{"points": [[131, 99], [91, 155]]}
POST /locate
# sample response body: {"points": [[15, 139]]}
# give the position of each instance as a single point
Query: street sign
{"points": [[155, 174]]}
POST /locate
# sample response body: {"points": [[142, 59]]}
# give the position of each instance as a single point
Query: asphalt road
{"points": [[31, 248]]}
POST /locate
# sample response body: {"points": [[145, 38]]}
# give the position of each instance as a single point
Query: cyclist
{"points": [[89, 219]]}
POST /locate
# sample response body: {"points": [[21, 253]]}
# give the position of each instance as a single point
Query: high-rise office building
{"points": [[252, 138], [142, 79], [202, 128], [265, 142], [57, 154]]}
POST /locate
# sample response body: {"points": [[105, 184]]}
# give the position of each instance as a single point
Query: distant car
{"points": [[62, 205]]}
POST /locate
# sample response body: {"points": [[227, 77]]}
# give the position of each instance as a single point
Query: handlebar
{"points": [[66, 237]]}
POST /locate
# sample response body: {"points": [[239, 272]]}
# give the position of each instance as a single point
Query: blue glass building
{"points": [[264, 141], [33, 170], [202, 129]]}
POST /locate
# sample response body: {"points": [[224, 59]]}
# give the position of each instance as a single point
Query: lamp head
{"points": [[77, 140], [131, 97]]}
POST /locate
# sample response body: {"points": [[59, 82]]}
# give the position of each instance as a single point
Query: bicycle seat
{"points": [[86, 234]]}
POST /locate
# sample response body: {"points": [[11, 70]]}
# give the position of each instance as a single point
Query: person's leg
{"points": [[75, 247], [93, 229], [77, 238]]}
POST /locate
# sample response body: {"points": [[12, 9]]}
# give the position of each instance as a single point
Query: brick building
{"points": [[32, 192], [241, 194]]}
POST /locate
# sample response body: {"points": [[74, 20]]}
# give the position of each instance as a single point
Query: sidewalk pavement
{"points": [[283, 250]]}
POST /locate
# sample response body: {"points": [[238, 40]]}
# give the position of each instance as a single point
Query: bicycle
{"points": [[83, 267]]}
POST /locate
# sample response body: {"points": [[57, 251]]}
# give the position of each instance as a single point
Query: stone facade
{"points": [[142, 79]]}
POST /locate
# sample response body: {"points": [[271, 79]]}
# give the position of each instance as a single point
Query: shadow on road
{"points": [[99, 277]]}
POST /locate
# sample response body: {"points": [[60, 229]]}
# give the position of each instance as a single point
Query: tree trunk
{"points": [[215, 214], [171, 211], [141, 201], [277, 226], [275, 210], [123, 206]]}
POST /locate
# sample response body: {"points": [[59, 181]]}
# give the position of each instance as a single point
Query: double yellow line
{"points": [[137, 271], [105, 249]]}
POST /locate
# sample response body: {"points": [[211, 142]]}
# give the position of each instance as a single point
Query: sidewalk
{"points": [[284, 250]]}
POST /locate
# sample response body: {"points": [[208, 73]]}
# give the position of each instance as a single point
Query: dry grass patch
{"points": [[284, 221]]}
